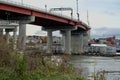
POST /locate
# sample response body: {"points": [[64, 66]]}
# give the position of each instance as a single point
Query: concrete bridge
{"points": [[14, 14]]}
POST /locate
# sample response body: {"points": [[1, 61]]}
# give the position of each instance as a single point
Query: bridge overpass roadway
{"points": [[26, 14]]}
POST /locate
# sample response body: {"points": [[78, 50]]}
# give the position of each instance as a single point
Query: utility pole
{"points": [[77, 5], [88, 22], [88, 18], [22, 2], [77, 9]]}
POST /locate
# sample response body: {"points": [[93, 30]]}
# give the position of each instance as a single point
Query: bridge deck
{"points": [[43, 17]]}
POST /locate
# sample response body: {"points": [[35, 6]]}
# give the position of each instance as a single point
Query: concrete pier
{"points": [[49, 41], [77, 43], [1, 33], [65, 31], [9, 26], [66, 41], [22, 36], [81, 44], [15, 38], [22, 30], [86, 38], [7, 36]]}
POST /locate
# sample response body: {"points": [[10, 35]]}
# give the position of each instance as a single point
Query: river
{"points": [[90, 65]]}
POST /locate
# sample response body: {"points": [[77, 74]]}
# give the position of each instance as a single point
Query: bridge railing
{"points": [[27, 6], [8, 22]]}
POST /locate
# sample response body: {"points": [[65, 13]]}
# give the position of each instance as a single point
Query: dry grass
{"points": [[30, 66]]}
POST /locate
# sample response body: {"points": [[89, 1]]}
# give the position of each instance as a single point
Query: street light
{"points": [[77, 5], [45, 7], [77, 9], [21, 1]]}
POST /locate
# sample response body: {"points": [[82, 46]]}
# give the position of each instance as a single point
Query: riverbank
{"points": [[22, 66], [100, 54], [16, 65]]}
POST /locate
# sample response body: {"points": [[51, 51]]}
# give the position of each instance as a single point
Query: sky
{"points": [[104, 15]]}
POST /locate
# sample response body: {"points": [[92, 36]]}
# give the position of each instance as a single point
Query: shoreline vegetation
{"points": [[25, 66], [15, 65]]}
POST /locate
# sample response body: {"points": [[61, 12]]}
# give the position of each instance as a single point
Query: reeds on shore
{"points": [[16, 65]]}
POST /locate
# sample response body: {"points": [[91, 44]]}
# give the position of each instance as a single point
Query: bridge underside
{"points": [[7, 15], [70, 29]]}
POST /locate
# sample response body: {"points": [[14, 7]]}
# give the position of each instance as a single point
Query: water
{"points": [[90, 65]]}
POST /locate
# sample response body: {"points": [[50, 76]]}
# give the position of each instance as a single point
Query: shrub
{"points": [[24, 66]]}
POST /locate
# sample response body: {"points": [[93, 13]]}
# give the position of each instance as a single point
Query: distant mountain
{"points": [[105, 32]]}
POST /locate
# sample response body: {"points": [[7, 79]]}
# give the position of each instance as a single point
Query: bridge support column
{"points": [[81, 50], [65, 31], [68, 41], [63, 41], [49, 41], [1, 33], [22, 30], [15, 38], [7, 36], [79, 42], [66, 34], [22, 36]]}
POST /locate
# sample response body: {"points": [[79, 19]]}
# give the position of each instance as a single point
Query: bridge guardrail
{"points": [[10, 2], [8, 22]]}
